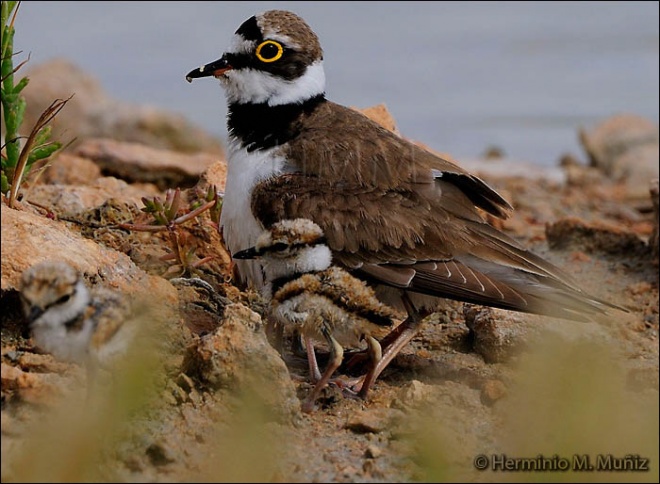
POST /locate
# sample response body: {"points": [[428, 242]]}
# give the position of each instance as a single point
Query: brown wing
{"points": [[437, 246], [327, 147], [364, 225], [110, 313]]}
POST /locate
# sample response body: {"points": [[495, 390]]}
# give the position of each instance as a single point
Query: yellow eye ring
{"points": [[273, 56]]}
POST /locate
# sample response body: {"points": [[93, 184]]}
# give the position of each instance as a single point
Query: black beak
{"points": [[215, 69], [250, 253]]}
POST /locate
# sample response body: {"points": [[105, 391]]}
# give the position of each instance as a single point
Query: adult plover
{"points": [[392, 212], [321, 300], [70, 321]]}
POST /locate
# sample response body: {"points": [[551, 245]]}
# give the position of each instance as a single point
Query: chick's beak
{"points": [[215, 69], [34, 313], [250, 253]]}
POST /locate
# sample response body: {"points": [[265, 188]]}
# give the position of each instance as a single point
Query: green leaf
{"points": [[7, 47], [43, 136], [7, 52], [21, 84], [9, 98], [19, 112], [42, 152], [13, 149], [14, 110], [158, 204], [174, 205]]}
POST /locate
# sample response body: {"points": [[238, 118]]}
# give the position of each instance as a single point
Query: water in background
{"points": [[459, 76]]}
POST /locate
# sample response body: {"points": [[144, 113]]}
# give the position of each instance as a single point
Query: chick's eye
{"points": [[269, 51], [279, 247], [63, 299]]}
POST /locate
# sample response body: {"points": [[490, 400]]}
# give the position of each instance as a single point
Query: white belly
{"points": [[70, 346], [239, 227]]}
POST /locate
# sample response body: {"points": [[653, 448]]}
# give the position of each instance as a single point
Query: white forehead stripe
{"points": [[238, 45], [301, 226], [264, 240], [281, 38]]}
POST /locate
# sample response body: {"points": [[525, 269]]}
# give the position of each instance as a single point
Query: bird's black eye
{"points": [[269, 51], [63, 299]]}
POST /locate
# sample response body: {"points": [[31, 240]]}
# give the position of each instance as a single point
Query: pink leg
{"points": [[314, 372], [387, 341], [375, 355], [337, 354], [405, 332]]}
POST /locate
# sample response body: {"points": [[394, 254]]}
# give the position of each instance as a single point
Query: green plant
{"points": [[17, 160], [169, 215]]}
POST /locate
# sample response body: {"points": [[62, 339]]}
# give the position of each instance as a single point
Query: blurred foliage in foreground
{"points": [[567, 400]]}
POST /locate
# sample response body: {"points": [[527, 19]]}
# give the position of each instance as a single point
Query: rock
{"points": [[593, 237], [71, 200], [160, 453], [374, 420], [637, 167], [158, 128], [414, 394], [67, 169], [34, 388], [494, 153], [492, 391], [578, 174], [653, 241], [380, 114], [92, 113], [135, 162], [28, 238], [498, 334], [61, 79], [625, 148], [200, 305], [38, 363], [372, 451], [216, 174], [238, 357]]}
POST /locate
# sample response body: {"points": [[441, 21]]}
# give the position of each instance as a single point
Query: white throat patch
{"points": [[309, 259]]}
